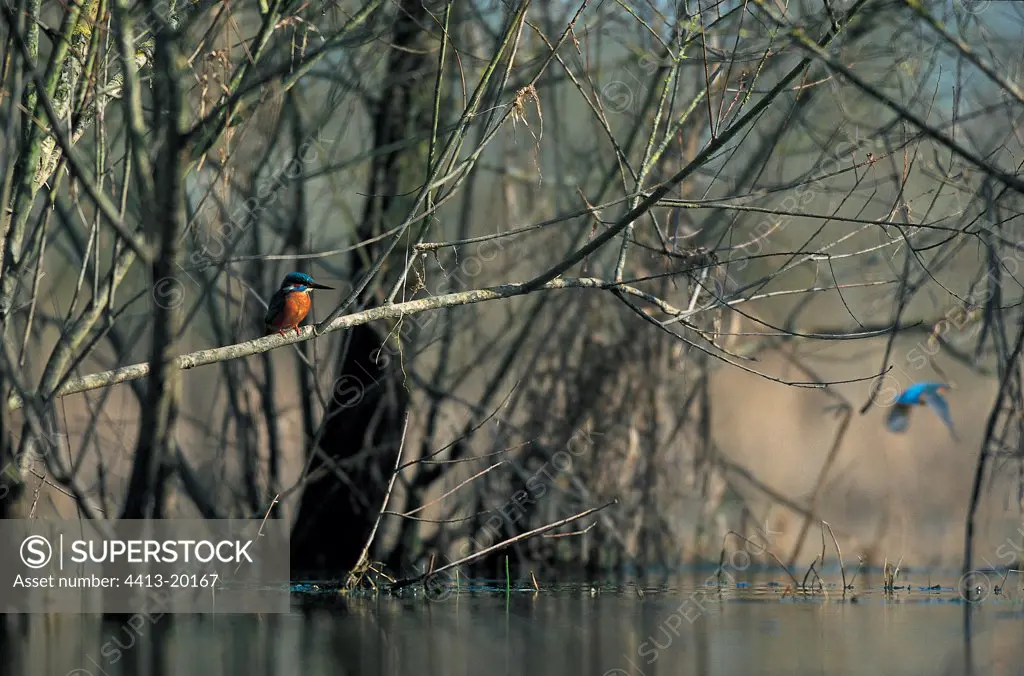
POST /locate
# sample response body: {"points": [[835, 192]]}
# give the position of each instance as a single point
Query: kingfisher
{"points": [[290, 304], [919, 394]]}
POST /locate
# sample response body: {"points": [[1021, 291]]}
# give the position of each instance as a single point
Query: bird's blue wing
{"points": [[941, 406], [898, 418], [912, 395], [275, 307]]}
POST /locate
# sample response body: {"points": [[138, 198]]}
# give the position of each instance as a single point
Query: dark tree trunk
{"points": [[336, 515], [364, 426]]}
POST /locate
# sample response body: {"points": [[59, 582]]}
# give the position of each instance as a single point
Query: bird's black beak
{"points": [[314, 285]]}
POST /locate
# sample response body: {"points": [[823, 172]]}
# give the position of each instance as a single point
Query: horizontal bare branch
{"points": [[394, 311]]}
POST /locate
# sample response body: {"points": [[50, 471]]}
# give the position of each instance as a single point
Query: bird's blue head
{"points": [[301, 282]]}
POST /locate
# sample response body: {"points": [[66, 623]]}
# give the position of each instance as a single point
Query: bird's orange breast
{"points": [[296, 307]]}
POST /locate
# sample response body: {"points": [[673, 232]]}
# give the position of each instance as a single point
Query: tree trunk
{"points": [[369, 402]]}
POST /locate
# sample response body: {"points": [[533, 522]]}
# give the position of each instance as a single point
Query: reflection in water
{"points": [[556, 633]]}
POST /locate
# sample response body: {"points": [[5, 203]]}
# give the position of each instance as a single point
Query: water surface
{"points": [[688, 627]]}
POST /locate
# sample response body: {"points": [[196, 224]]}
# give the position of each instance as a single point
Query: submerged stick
{"points": [[803, 585], [842, 568]]}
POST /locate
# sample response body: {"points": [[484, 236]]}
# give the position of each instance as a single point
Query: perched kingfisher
{"points": [[919, 394], [290, 304]]}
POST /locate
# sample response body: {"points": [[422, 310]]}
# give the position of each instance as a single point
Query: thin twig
{"points": [[505, 543], [842, 568], [764, 549], [387, 496], [445, 495]]}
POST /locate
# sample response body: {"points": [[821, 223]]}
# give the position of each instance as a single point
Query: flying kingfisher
{"points": [[919, 394], [290, 304]]}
